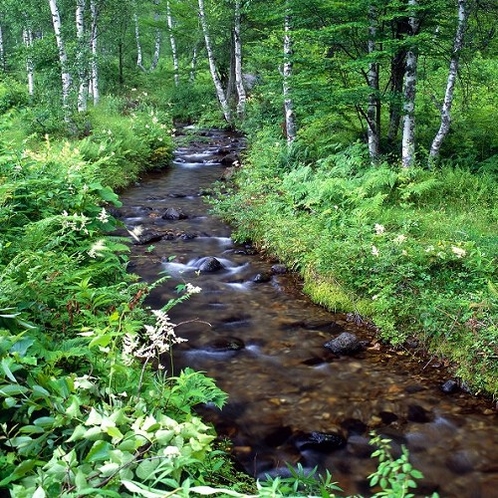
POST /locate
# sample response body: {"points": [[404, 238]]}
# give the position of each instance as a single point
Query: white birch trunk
{"points": [[172, 41], [444, 128], [212, 66], [290, 124], [140, 60], [2, 50], [94, 69], [373, 131], [193, 64], [81, 56], [27, 36], [239, 81], [157, 41], [65, 75], [410, 87]]}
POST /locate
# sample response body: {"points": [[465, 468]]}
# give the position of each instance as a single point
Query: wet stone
{"points": [[174, 214], [388, 417], [344, 344], [147, 238], [261, 278], [278, 269], [225, 344], [319, 441], [450, 387], [419, 414], [210, 264]]}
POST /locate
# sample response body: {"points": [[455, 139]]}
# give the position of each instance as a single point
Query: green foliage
{"points": [[412, 250], [396, 477]]}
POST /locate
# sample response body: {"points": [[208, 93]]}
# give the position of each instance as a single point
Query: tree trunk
{"points": [[193, 63], [140, 62], [398, 68], [373, 112], [81, 59], [239, 83], [172, 41], [410, 88], [444, 128], [2, 51], [93, 48], [27, 36], [290, 124], [157, 40], [212, 66], [65, 75]]}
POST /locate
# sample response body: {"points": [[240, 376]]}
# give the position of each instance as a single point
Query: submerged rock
{"points": [[210, 264], [174, 214], [344, 344], [147, 238], [261, 278], [225, 344], [319, 441]]}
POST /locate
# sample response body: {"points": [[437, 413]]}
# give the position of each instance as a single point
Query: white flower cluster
{"points": [[103, 216], [75, 222], [159, 339], [97, 249]]}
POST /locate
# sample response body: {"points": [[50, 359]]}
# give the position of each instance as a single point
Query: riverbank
{"points": [[413, 251]]}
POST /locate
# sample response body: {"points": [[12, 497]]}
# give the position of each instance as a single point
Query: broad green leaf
{"points": [[141, 490], [146, 469], [39, 493], [9, 390], [99, 451], [78, 433], [44, 421]]}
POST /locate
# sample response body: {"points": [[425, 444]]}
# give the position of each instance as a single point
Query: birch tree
{"points": [[65, 75], [157, 39], [94, 69], [2, 49], [239, 82], [373, 112], [410, 88], [290, 124], [81, 59], [27, 36], [444, 128], [172, 42], [220, 93], [138, 43]]}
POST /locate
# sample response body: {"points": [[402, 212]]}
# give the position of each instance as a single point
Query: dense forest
{"points": [[371, 169]]}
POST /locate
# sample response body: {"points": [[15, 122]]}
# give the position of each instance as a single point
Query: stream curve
{"points": [[254, 331]]}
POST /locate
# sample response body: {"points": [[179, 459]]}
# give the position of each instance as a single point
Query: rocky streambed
{"points": [[305, 385]]}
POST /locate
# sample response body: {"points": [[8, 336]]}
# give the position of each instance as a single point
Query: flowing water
{"points": [[254, 331]]}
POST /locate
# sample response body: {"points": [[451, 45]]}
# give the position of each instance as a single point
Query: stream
{"points": [[254, 331]]}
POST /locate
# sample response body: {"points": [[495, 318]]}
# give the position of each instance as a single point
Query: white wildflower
{"points": [[191, 289], [400, 239], [375, 251], [103, 216], [429, 249], [458, 251], [379, 229], [171, 451], [96, 251], [159, 339]]}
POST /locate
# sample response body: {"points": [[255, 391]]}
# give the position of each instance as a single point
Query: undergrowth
{"points": [[412, 250]]}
